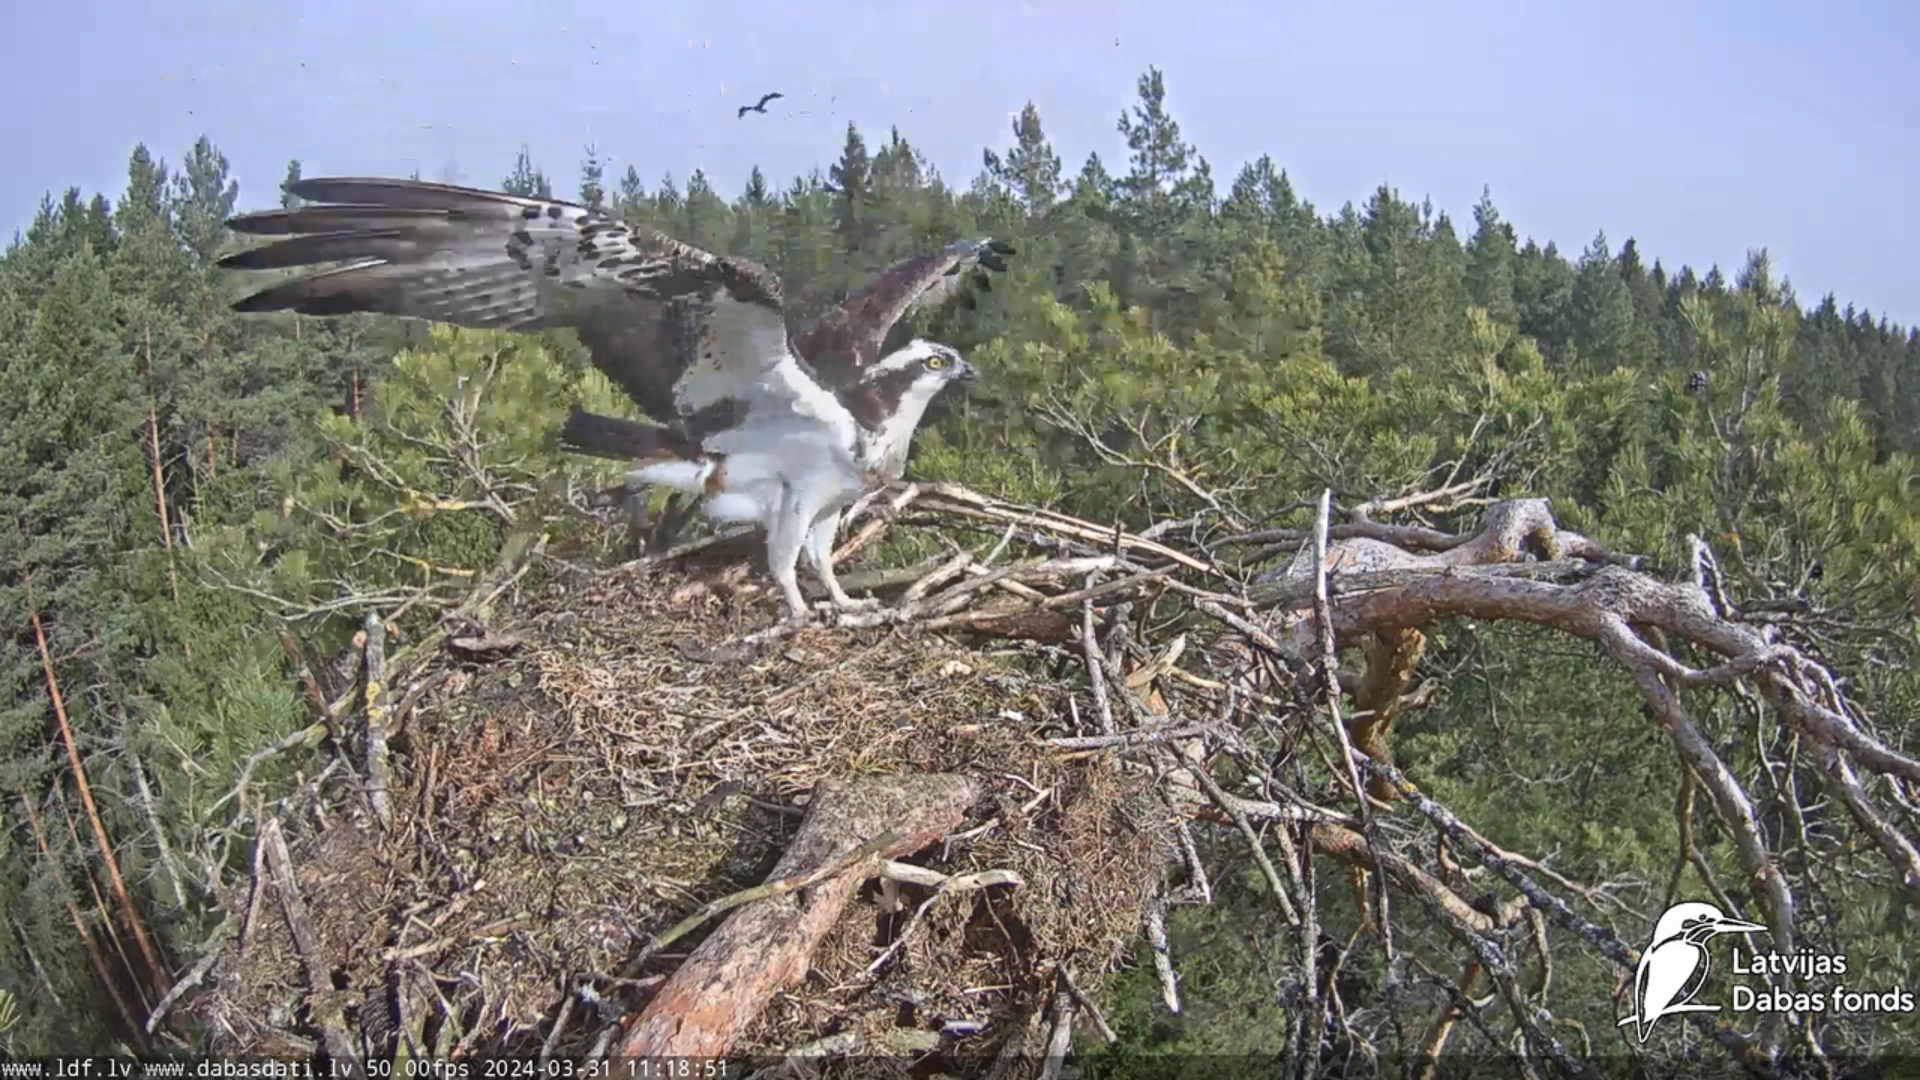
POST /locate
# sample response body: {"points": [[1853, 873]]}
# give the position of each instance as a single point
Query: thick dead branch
{"points": [[1156, 927], [764, 891], [1060, 1039], [1384, 586], [322, 998], [765, 946], [379, 771]]}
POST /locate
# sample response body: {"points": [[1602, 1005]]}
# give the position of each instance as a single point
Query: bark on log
{"points": [[766, 946]]}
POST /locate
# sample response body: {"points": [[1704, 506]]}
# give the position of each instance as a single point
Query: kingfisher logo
{"points": [[1674, 965], [1674, 968]]}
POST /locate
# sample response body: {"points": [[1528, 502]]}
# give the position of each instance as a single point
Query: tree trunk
{"points": [[159, 480], [766, 946], [156, 972]]}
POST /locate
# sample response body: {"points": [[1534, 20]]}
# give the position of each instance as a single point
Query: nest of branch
{"points": [[530, 851], [555, 805]]}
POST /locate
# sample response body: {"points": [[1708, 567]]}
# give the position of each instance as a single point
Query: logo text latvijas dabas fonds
{"points": [[1674, 967]]}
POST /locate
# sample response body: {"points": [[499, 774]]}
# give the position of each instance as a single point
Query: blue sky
{"points": [[1702, 129]]}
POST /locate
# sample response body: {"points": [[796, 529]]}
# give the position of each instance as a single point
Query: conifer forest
{"points": [[215, 527]]}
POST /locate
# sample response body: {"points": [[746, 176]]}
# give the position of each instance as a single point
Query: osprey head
{"points": [[927, 366], [900, 387]]}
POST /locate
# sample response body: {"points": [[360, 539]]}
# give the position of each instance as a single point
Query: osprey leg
{"points": [[819, 554], [784, 541]]}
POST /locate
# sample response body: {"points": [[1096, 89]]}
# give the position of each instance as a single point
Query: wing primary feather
{"points": [[315, 219], [413, 194], [325, 247], [846, 340], [678, 328]]}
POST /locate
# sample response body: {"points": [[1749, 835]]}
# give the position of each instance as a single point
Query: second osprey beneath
{"points": [[784, 430]]}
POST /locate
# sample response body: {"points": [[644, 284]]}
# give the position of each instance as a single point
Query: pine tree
{"points": [[205, 199], [1490, 258], [758, 196], [633, 196], [526, 180], [666, 204], [852, 179], [1161, 163], [1246, 207], [1604, 327], [288, 200], [704, 222], [592, 193], [1088, 239], [1543, 293], [897, 169], [1398, 293], [753, 220], [1031, 170]]}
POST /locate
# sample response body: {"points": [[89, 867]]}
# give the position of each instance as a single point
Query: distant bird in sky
{"points": [[759, 107]]}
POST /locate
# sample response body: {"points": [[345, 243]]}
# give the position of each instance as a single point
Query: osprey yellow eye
{"points": [[936, 362]]}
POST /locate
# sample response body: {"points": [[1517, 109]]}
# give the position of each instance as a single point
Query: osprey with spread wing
{"points": [[784, 430]]}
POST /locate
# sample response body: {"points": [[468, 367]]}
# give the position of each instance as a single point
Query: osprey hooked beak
{"points": [[964, 373]]}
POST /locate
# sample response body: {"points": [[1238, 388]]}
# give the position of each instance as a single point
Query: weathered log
{"points": [[766, 946]]}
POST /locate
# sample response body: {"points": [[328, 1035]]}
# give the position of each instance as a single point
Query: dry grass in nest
{"points": [[554, 808]]}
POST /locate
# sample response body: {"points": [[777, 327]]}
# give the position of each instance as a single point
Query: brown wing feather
{"points": [[671, 324], [846, 340]]}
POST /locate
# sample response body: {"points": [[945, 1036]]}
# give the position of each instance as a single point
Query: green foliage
{"points": [[454, 452], [9, 1018]]}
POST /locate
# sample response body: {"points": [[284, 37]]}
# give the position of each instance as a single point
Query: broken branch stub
{"points": [[766, 946]]}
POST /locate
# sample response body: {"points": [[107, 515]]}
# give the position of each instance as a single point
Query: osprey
{"points": [[781, 429]]}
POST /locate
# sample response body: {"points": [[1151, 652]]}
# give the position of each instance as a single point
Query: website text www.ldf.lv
{"points": [[91, 1069]]}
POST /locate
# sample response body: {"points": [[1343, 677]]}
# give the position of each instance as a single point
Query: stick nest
{"points": [[497, 869], [555, 807]]}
